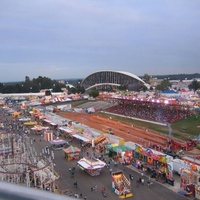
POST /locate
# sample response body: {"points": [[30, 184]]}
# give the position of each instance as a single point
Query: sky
{"points": [[64, 39]]}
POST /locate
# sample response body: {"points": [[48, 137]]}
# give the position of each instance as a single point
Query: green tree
{"points": [[151, 88], [79, 88], [164, 85], [194, 85], [18, 88], [27, 84], [147, 78], [72, 90], [94, 93], [9, 89], [143, 88], [121, 87], [2, 88], [34, 85]]}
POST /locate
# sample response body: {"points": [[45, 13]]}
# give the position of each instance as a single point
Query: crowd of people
{"points": [[158, 112]]}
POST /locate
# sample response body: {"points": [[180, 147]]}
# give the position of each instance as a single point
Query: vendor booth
{"points": [[58, 144], [158, 164], [187, 181], [52, 124], [91, 165], [71, 153], [38, 129], [190, 180], [81, 138], [24, 119], [121, 185], [120, 153], [197, 192], [48, 136], [66, 131], [30, 123]]}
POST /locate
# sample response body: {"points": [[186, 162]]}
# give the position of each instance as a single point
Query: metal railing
{"points": [[9, 191]]}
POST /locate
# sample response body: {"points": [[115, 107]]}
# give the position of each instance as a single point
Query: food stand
{"points": [[92, 166], [121, 185], [71, 153]]}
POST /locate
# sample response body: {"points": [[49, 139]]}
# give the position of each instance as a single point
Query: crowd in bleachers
{"points": [[164, 113]]}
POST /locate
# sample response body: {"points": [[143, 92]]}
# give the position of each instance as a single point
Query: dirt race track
{"points": [[128, 132]]}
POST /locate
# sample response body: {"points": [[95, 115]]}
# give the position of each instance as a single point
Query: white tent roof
{"points": [[81, 138]]}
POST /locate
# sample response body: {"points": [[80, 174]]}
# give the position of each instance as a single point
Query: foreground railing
{"points": [[9, 191]]}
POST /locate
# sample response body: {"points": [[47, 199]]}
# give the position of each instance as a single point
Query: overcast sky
{"points": [[73, 38]]}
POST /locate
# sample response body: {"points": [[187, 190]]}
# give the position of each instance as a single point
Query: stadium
{"points": [[104, 80]]}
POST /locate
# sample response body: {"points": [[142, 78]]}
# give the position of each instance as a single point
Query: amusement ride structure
{"points": [[20, 164]]}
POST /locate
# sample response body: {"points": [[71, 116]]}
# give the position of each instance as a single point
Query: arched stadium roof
{"points": [[131, 75], [109, 77]]}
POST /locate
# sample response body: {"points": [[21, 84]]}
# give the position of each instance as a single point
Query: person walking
{"points": [[131, 177], [137, 183], [75, 184], [103, 190], [142, 181]]}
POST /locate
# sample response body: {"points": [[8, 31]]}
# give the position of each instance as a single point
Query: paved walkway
{"points": [[85, 181]]}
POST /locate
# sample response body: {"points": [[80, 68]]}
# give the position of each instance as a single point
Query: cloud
{"points": [[85, 36]]}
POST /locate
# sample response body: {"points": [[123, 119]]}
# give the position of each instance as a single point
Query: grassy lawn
{"points": [[188, 126]]}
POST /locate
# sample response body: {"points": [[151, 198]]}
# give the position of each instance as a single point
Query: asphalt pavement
{"points": [[85, 181]]}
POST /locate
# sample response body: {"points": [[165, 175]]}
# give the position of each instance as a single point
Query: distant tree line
{"points": [[34, 85], [38, 84], [178, 76]]}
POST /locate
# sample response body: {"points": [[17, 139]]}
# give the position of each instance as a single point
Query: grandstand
{"points": [[158, 112]]}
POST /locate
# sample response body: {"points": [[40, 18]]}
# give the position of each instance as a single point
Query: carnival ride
{"points": [[91, 165], [121, 185], [15, 114], [20, 164], [98, 140]]}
